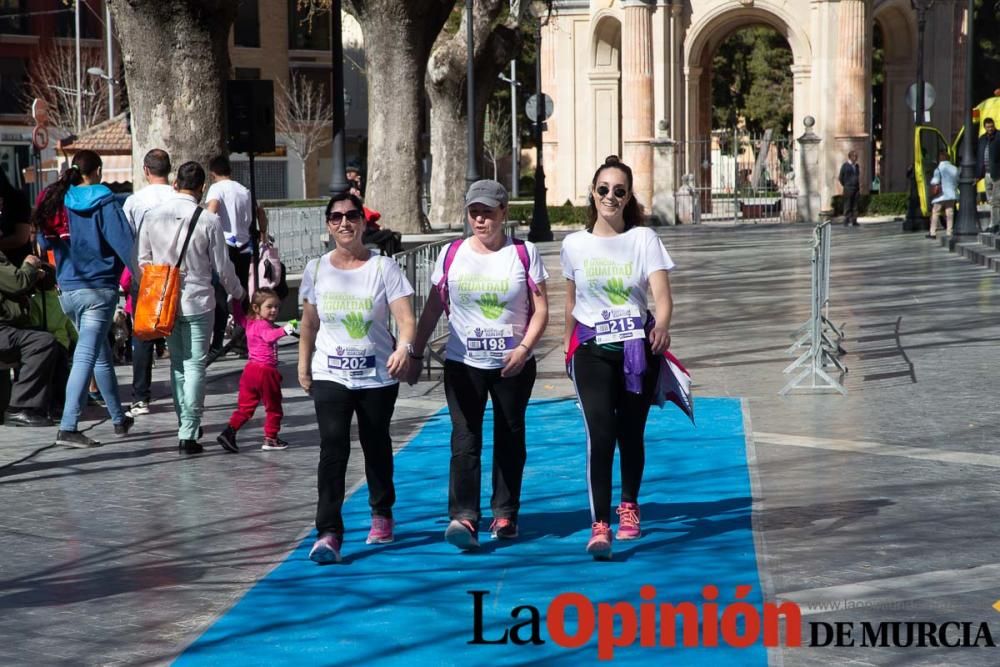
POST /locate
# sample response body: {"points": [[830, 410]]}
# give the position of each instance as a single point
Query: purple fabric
{"points": [[635, 355]]}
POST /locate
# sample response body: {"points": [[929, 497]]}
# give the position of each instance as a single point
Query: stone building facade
{"points": [[624, 73]]}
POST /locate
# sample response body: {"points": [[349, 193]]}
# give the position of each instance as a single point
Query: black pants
{"points": [[851, 196], [612, 414], [37, 353], [335, 407], [466, 389], [241, 262], [142, 369]]}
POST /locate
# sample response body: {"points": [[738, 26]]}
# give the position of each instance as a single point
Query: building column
{"points": [[677, 72], [637, 97], [854, 86], [692, 92]]}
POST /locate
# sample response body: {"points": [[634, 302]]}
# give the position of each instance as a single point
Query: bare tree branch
{"points": [[52, 77], [304, 115]]}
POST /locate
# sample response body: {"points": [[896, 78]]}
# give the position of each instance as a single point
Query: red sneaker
{"points": [[381, 532], [599, 545], [628, 521]]}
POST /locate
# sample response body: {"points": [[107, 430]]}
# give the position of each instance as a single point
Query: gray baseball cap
{"points": [[486, 192]]}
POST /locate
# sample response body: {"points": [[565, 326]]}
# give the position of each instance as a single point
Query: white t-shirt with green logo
{"points": [[611, 274], [353, 344], [489, 302]]}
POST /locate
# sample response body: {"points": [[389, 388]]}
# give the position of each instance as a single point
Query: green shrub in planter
{"points": [[575, 216], [881, 203]]}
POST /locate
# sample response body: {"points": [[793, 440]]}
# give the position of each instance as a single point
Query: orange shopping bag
{"points": [[160, 294]]}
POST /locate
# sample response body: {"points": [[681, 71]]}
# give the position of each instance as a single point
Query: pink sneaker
{"points": [[381, 532], [326, 549], [628, 521], [599, 545]]}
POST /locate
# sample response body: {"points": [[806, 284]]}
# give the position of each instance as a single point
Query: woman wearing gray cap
{"points": [[493, 290]]}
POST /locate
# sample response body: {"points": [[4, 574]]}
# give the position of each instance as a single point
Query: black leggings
{"points": [[467, 389], [335, 407], [612, 414]]}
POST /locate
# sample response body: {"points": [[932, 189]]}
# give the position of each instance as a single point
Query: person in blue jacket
{"points": [[82, 221]]}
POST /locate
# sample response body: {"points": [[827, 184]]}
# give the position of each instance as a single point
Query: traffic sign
{"points": [[929, 96], [40, 112], [531, 108], [40, 137]]}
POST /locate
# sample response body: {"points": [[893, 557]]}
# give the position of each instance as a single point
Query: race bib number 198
{"points": [[490, 342], [619, 324]]}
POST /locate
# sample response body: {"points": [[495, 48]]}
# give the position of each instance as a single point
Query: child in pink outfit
{"points": [[261, 381]]}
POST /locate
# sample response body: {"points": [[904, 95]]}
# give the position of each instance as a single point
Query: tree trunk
{"points": [[446, 72], [176, 57], [398, 37]]}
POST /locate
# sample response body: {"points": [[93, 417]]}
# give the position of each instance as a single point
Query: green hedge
{"points": [[575, 216], [882, 203], [293, 203]]}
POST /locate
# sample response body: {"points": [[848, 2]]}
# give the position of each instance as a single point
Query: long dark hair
{"points": [[633, 212], [84, 163]]}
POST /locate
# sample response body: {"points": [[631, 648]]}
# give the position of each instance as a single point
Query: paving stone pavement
{"points": [[125, 554]]}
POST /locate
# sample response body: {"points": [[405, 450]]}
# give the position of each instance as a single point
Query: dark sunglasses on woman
{"points": [[618, 192], [336, 217]]}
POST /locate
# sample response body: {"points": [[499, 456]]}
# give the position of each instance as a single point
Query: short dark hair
{"points": [[990, 121], [344, 196], [220, 166], [158, 162], [190, 176]]}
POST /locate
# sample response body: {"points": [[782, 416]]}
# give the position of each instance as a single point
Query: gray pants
{"points": [[993, 197]]}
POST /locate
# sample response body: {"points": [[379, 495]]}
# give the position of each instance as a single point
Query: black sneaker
{"points": [[503, 529], [75, 439], [228, 440], [190, 447], [121, 430]]}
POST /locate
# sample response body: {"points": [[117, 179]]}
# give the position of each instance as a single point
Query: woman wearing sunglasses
{"points": [[350, 364], [611, 339], [493, 289]]}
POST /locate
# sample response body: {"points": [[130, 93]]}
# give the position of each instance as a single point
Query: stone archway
{"points": [[708, 31], [898, 26], [605, 88]]}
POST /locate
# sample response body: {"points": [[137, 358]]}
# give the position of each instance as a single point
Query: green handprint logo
{"points": [[616, 291], [356, 325], [491, 306]]}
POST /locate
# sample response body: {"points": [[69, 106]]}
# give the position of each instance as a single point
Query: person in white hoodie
{"points": [[156, 169], [161, 239]]}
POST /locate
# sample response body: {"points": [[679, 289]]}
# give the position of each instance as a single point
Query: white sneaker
{"points": [[139, 408]]}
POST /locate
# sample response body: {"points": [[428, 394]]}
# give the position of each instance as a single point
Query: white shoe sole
{"points": [[599, 551], [323, 555], [268, 448], [384, 540], [458, 535]]}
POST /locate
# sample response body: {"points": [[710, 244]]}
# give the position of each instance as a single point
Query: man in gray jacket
{"points": [[850, 180], [160, 242]]}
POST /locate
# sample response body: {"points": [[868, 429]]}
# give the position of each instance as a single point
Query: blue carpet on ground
{"points": [[407, 603]]}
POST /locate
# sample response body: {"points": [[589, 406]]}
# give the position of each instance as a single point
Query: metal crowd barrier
{"points": [[819, 334]]}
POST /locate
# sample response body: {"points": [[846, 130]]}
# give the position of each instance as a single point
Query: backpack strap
{"points": [[522, 254], [442, 285]]}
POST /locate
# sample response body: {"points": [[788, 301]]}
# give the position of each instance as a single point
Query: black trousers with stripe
{"points": [[612, 416]]}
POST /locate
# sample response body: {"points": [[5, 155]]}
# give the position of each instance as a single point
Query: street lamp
{"points": [[515, 154], [541, 229], [338, 175], [967, 224], [112, 82], [914, 218]]}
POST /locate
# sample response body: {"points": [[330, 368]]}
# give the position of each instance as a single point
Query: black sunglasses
{"points": [[619, 191], [352, 216]]}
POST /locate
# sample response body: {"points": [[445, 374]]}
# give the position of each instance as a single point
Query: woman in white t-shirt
{"points": [[494, 292], [350, 364], [612, 341]]}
